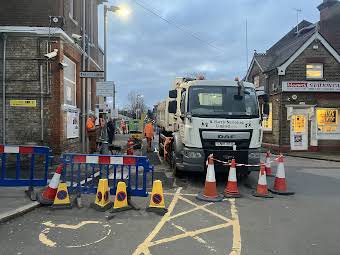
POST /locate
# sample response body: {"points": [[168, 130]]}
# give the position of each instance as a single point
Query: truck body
{"points": [[203, 117]]}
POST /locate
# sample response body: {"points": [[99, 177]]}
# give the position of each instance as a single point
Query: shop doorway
{"points": [[299, 130]]}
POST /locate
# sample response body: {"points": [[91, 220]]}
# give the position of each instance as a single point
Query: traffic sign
{"points": [[92, 74], [105, 88]]}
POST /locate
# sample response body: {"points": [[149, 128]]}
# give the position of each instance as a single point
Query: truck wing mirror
{"points": [[265, 109], [173, 93], [172, 108]]}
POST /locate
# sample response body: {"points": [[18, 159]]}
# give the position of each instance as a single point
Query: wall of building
{"points": [[25, 54], [297, 72], [28, 13]]}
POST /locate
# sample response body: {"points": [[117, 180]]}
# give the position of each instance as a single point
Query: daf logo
{"points": [[225, 136]]}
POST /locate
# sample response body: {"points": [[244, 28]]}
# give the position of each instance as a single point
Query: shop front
{"points": [[313, 122]]}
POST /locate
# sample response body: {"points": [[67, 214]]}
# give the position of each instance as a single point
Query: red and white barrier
{"points": [[112, 160]]}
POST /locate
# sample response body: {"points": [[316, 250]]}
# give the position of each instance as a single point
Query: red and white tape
{"points": [[247, 165]]}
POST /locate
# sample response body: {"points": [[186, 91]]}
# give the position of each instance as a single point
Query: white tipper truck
{"points": [[202, 117]]}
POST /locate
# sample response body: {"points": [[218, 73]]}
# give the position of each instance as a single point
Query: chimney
{"points": [[327, 9], [330, 22]]}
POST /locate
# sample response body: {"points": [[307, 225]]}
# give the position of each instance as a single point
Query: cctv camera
{"points": [[76, 37], [52, 54]]}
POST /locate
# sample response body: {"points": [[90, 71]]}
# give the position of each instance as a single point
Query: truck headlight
{"points": [[192, 154]]}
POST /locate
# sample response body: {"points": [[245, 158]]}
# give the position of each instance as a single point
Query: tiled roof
{"points": [[281, 51]]}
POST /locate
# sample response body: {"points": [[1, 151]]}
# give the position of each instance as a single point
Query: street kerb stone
{"points": [[194, 223]]}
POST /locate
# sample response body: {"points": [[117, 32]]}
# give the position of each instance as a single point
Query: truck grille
{"points": [[210, 143]]}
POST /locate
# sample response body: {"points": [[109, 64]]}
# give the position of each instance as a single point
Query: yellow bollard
{"points": [[102, 202], [62, 198], [157, 204]]}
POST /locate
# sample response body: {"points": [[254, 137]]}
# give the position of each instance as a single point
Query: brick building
{"points": [[301, 75], [43, 97]]}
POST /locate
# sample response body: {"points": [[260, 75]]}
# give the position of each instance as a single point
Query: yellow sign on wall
{"points": [[299, 123], [268, 123], [327, 119], [23, 103], [327, 116]]}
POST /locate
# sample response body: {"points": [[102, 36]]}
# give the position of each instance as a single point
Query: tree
{"points": [[136, 104]]}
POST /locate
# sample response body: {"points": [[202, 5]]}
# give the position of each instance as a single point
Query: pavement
{"points": [[322, 155], [14, 202]]}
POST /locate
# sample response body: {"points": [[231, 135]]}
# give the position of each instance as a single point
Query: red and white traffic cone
{"points": [[231, 189], [268, 167], [280, 185], [47, 196], [210, 190], [262, 188]]}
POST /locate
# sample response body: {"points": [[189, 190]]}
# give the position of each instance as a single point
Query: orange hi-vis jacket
{"points": [[90, 125], [148, 130]]}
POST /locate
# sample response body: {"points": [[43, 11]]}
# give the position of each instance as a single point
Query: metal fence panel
{"points": [[83, 171], [24, 165]]}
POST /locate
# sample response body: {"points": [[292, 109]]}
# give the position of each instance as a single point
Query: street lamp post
{"points": [[106, 9]]}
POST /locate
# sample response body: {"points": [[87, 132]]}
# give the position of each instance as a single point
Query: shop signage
{"points": [[311, 86], [23, 103]]}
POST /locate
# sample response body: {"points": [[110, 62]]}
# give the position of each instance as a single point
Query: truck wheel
{"points": [[175, 171], [160, 150]]}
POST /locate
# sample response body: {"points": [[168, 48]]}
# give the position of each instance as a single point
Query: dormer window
{"points": [[314, 71]]}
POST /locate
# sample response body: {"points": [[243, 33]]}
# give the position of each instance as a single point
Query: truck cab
{"points": [[214, 117]]}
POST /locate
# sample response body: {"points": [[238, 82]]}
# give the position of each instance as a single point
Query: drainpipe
{"points": [[42, 103], [4, 90], [83, 82]]}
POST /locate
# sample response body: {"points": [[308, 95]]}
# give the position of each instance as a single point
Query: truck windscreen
{"points": [[223, 101]]}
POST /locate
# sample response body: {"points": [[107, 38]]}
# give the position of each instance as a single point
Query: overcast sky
{"points": [[145, 53]]}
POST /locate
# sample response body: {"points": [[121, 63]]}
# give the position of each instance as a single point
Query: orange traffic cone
{"points": [[210, 191], [262, 189], [47, 196], [268, 167], [280, 185], [231, 190]]}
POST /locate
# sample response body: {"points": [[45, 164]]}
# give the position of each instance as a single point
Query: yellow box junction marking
{"points": [[143, 248]]}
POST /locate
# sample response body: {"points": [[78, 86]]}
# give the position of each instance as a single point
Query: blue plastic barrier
{"points": [[82, 172], [24, 165]]}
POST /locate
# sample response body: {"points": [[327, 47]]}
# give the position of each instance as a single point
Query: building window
{"points": [[69, 82], [267, 124], [256, 81], [314, 71]]}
